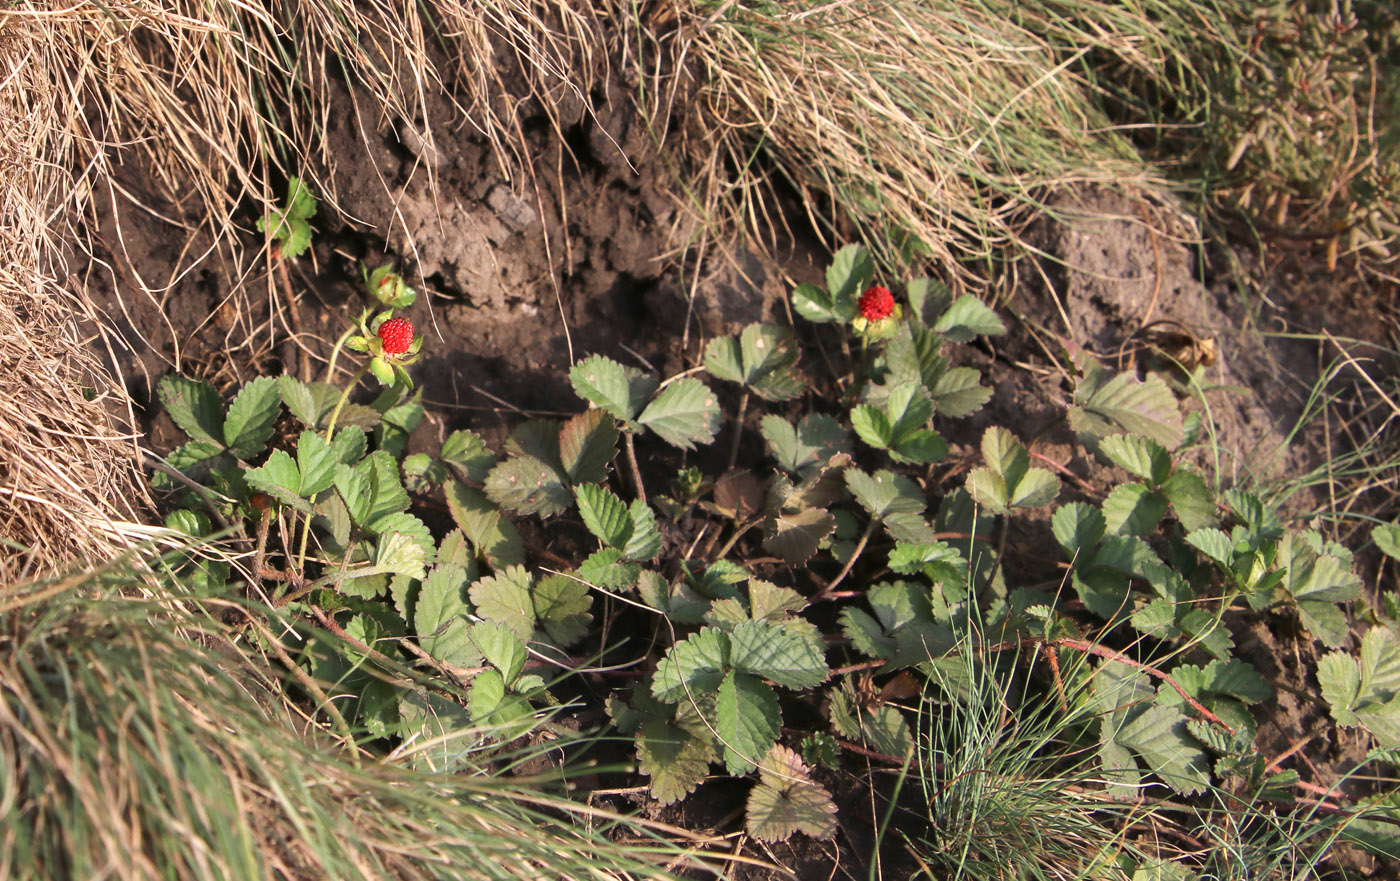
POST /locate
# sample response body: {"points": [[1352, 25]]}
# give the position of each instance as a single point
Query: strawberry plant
{"points": [[760, 605]]}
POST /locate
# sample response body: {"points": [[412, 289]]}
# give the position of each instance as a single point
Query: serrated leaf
{"points": [[279, 478], [349, 445], [1160, 736], [692, 668], [872, 426], [386, 490], [747, 720], [866, 634], [1239, 680], [645, 541], [316, 462], [440, 617], [1387, 538], [403, 547], [796, 536], [527, 485], [194, 406], [422, 473], [250, 417], [1213, 543], [1366, 690], [488, 690], [884, 493], [786, 801], [968, 317], [957, 392], [501, 646], [928, 298], [607, 568], [604, 514], [1125, 404], [851, 270], [300, 401], [673, 756], [771, 651], [561, 607], [493, 536], [467, 452], [354, 489], [1141, 457], [505, 599], [587, 443], [1078, 527], [1037, 488], [815, 439], [814, 303], [1191, 500], [684, 414], [1133, 509], [760, 358], [606, 384]]}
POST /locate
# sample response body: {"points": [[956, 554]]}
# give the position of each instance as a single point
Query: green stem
{"points": [[632, 462], [335, 352], [344, 396]]}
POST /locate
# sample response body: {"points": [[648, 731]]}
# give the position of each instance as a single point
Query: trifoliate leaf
{"points": [[279, 478], [527, 485], [587, 443], [606, 568], [1107, 406], [440, 617], [467, 453], [1141, 457], [505, 599], [606, 384], [1317, 583], [786, 800], [317, 463], [747, 720], [684, 414], [194, 406], [761, 359], [250, 417], [692, 668], [492, 535], [815, 439], [796, 536], [771, 651], [1008, 481], [1133, 509], [850, 272], [968, 317], [501, 646], [561, 608], [604, 514], [1366, 690]]}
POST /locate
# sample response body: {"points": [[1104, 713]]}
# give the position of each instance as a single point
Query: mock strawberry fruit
{"points": [[876, 304], [396, 335]]}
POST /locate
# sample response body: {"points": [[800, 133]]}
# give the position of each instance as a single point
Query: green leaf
{"points": [[850, 272], [761, 358], [354, 490], [1317, 583], [747, 719], [968, 317], [194, 406], [587, 443], [786, 801], [675, 755], [796, 536], [467, 452], [316, 462], [300, 400], [872, 426], [928, 299], [422, 473], [692, 668], [607, 568], [1191, 499], [488, 690], [1366, 691], [1159, 734], [250, 417], [679, 602], [604, 514], [1214, 544], [1142, 457], [814, 303], [279, 478], [440, 618], [884, 493], [1105, 407], [1133, 509], [957, 393], [386, 490], [815, 439], [349, 445], [561, 608], [1387, 538], [772, 651], [492, 535], [501, 646], [505, 599], [683, 414], [1008, 481], [645, 542], [1078, 527], [404, 546], [606, 384], [527, 485]]}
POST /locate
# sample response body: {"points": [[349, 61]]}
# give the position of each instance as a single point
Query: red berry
{"points": [[876, 304], [396, 335]]}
